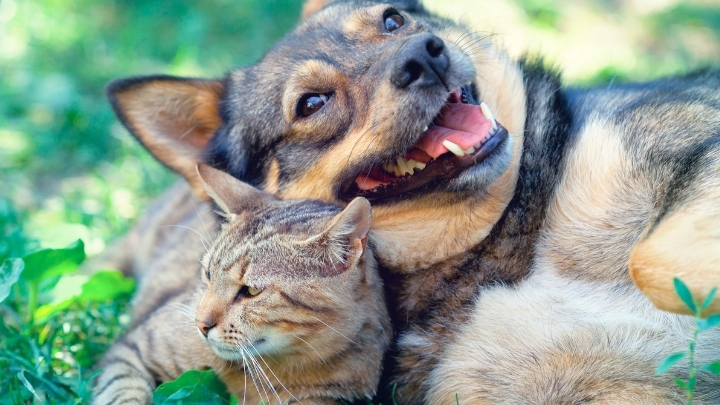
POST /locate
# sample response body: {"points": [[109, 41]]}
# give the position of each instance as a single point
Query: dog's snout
{"points": [[423, 61]]}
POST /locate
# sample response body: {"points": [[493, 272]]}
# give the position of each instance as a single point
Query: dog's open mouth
{"points": [[462, 135]]}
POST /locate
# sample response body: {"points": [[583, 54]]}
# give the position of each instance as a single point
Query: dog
{"points": [[517, 222]]}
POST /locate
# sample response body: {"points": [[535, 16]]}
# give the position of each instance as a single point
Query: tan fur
{"points": [[184, 118], [687, 246], [594, 215], [311, 7]]}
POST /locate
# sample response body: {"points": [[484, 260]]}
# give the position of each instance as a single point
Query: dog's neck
{"points": [[506, 254], [434, 301]]}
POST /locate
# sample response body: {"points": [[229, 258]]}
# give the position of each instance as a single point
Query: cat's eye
{"points": [[311, 103], [393, 20], [246, 292]]}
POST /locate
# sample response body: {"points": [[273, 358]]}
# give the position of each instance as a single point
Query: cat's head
{"points": [[284, 277]]}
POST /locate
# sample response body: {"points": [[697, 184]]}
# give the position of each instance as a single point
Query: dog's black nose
{"points": [[423, 61]]}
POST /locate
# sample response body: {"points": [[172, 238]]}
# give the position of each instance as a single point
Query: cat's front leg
{"points": [[125, 378], [157, 350]]}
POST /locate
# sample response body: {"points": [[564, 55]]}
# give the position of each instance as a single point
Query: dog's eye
{"points": [[311, 103], [393, 20]]}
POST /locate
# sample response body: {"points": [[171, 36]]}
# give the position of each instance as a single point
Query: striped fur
{"points": [[315, 334]]}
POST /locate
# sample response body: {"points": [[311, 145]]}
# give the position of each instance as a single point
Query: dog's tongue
{"points": [[461, 124]]}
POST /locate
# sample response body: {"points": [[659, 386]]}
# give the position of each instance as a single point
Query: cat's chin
{"points": [[227, 354]]}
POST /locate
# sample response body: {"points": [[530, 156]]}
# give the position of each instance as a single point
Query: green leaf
{"points": [[680, 383], [711, 322], [684, 293], [47, 263], [709, 298], [713, 367], [106, 285], [102, 286], [9, 275], [669, 362], [192, 387]]}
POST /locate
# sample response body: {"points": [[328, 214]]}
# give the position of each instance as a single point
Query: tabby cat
{"points": [[289, 307]]}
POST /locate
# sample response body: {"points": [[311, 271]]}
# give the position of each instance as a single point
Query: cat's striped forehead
{"points": [[268, 237]]}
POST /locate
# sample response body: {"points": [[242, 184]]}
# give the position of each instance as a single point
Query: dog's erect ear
{"points": [[230, 194], [313, 6], [173, 118]]}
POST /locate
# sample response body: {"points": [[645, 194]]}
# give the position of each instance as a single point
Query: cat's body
{"points": [[289, 306]]}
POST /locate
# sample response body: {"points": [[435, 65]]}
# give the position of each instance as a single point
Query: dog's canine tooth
{"points": [[454, 148], [488, 114], [425, 129]]}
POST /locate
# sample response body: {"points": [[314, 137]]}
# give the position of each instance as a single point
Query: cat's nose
{"points": [[204, 326]]}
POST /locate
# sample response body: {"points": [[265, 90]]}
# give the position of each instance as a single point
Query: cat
{"points": [[289, 307]]}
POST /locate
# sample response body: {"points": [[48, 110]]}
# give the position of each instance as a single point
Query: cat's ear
{"points": [[174, 118], [346, 237], [230, 194]]}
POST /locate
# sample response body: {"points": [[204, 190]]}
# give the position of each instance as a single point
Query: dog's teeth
{"points": [[486, 111], [454, 148], [402, 164], [488, 114], [425, 129], [420, 165], [411, 164], [470, 150]]}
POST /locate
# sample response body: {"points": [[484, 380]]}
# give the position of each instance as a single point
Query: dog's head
{"points": [[380, 100]]}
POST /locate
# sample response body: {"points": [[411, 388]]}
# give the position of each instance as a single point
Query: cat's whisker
{"points": [[335, 330], [248, 360], [261, 371], [244, 381], [247, 367], [313, 349], [273, 373], [201, 220], [205, 242]]}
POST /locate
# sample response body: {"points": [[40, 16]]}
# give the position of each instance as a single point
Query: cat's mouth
{"points": [[463, 134]]}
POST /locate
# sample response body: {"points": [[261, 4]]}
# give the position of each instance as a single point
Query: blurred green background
{"points": [[72, 171], [69, 170]]}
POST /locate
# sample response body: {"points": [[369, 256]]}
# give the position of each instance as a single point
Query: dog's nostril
{"points": [[435, 47], [413, 71]]}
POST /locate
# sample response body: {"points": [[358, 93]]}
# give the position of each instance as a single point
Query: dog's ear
{"points": [[173, 118], [230, 194], [313, 6]]}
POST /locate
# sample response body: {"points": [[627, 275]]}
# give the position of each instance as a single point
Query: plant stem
{"points": [[32, 301], [691, 359]]}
